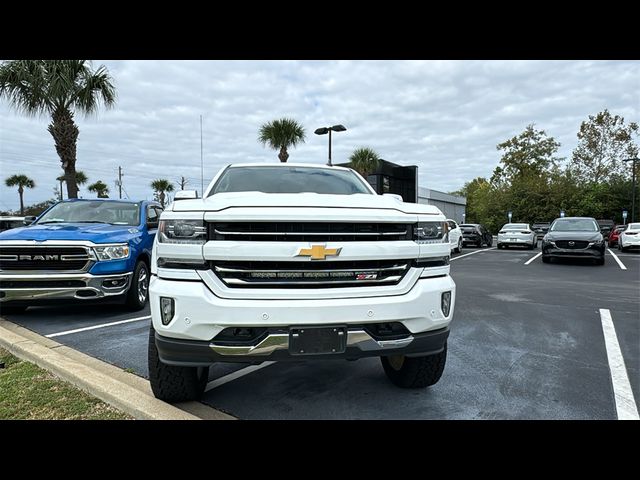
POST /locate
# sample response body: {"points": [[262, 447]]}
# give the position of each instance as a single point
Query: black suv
{"points": [[541, 228], [475, 234]]}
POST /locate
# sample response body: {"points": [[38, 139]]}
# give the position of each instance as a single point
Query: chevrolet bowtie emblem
{"points": [[318, 252]]}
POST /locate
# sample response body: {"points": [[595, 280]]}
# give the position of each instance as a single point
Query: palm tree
{"points": [[100, 188], [21, 181], [280, 135], [160, 186], [364, 160], [81, 179], [59, 89]]}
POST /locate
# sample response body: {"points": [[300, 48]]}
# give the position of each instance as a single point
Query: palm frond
{"points": [[19, 181], [285, 132]]}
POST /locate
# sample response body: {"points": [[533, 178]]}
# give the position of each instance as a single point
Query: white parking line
{"points": [[94, 327], [235, 375], [533, 258], [625, 402], [467, 254], [617, 259]]}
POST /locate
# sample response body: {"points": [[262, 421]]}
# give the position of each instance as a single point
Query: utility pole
{"points": [[633, 186], [182, 182], [120, 182]]}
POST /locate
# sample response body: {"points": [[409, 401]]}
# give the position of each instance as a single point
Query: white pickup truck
{"points": [[297, 262]]}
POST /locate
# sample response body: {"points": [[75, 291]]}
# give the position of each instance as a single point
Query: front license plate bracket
{"points": [[317, 340]]}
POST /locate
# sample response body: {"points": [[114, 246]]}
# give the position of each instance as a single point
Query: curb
{"points": [[123, 390]]}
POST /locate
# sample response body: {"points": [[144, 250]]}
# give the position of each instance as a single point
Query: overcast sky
{"points": [[444, 116]]}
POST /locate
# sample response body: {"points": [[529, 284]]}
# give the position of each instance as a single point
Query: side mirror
{"points": [[152, 225], [185, 195], [394, 195], [29, 220]]}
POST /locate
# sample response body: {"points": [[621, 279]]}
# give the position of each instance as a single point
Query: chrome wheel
{"points": [[143, 285]]}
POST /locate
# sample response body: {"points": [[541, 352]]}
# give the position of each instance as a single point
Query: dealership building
{"points": [[403, 180]]}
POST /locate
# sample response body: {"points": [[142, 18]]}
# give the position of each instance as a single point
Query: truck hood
{"points": [[91, 232], [223, 201]]}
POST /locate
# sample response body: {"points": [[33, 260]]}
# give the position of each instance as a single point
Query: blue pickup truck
{"points": [[79, 250]]}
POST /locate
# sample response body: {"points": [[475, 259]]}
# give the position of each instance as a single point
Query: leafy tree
{"points": [[59, 89], [100, 188], [37, 208], [603, 142], [280, 135], [161, 186], [364, 160], [22, 182], [530, 152]]}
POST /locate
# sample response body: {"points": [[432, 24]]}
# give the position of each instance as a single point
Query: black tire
{"points": [[490, 243], [12, 309], [171, 383], [459, 248], [480, 244], [134, 300], [415, 372], [546, 259], [499, 246], [600, 261]]}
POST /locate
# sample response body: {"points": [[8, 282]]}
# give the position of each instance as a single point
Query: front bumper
{"points": [[630, 241], [275, 347], [590, 252], [58, 286], [201, 315]]}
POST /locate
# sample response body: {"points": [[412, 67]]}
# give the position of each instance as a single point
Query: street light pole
{"points": [[325, 130], [633, 187]]}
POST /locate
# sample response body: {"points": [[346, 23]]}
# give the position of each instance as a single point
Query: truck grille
{"points": [[43, 258], [310, 231], [310, 275]]}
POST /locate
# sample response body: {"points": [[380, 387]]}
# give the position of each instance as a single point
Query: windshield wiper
{"points": [[91, 221], [50, 221]]}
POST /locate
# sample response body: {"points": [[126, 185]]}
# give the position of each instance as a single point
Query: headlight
{"points": [[182, 231], [112, 252], [431, 232]]}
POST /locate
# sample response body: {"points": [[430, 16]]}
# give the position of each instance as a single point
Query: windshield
{"points": [[575, 225], [468, 228], [634, 226], [114, 213], [289, 180], [515, 226]]}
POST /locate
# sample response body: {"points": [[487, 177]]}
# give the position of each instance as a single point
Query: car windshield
{"points": [[515, 226], [634, 226], [575, 225], [114, 213], [467, 228], [289, 180]]}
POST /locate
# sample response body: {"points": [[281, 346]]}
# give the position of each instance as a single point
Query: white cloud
{"points": [[444, 116]]}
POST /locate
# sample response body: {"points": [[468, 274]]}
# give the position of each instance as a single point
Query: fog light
{"points": [[445, 303], [167, 307]]}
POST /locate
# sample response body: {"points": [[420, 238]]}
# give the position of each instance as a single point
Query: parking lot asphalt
{"points": [[526, 342]]}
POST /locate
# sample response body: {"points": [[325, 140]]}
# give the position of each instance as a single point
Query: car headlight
{"points": [[431, 232], [182, 231], [112, 252]]}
